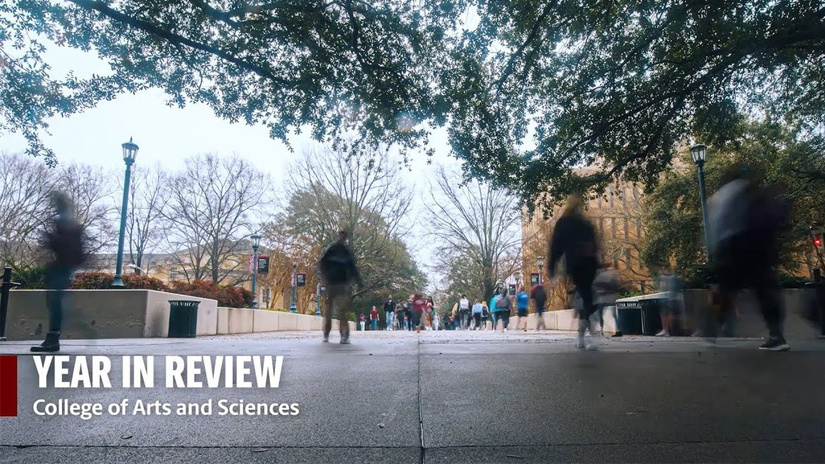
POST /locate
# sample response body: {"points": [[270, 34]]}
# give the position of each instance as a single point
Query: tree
{"points": [[329, 65], [212, 206], [476, 225], [91, 192], [779, 154], [25, 207], [145, 227], [617, 85]]}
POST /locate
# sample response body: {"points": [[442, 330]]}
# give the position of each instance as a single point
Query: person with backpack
{"points": [[477, 309], [464, 312], [539, 297], [574, 238], [485, 315], [65, 242], [503, 305], [339, 271], [746, 221], [374, 318], [522, 302]]}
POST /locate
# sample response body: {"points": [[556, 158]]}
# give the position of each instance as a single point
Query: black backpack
{"points": [[67, 242], [336, 264]]}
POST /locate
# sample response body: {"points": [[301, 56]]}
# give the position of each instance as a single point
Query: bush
{"points": [[92, 281], [144, 282], [31, 278], [232, 297]]}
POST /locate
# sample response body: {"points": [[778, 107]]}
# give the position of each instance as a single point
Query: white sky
{"points": [[168, 135]]}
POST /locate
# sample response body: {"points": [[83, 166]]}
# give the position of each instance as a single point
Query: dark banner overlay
{"points": [[8, 386]]}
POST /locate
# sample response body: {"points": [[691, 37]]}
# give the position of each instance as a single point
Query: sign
{"points": [[302, 279], [534, 278], [263, 264], [512, 289]]}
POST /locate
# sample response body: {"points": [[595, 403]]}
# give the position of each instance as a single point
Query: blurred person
{"points": [[522, 302], [419, 305], [408, 315], [477, 310], [389, 311], [429, 312], [435, 319], [606, 291], [503, 305], [338, 272], [539, 296], [485, 315], [464, 312], [575, 238], [362, 320], [669, 283], [745, 222], [374, 318], [65, 243]]}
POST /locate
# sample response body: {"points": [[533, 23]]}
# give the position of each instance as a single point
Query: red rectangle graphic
{"points": [[8, 386]]}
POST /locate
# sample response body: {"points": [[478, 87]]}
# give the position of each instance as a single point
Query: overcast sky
{"points": [[167, 135]]}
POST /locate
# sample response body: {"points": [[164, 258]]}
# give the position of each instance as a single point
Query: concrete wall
{"points": [[98, 314], [563, 319]]}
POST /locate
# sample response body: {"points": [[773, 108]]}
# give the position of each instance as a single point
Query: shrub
{"points": [[92, 280], [31, 278], [232, 297], [144, 282]]}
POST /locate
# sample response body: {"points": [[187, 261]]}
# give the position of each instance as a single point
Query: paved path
{"points": [[452, 397]]}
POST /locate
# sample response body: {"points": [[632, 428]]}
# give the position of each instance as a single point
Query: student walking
{"points": [[503, 306], [574, 238], [338, 272], [522, 302], [362, 320], [374, 318], [464, 312], [539, 297], [477, 310], [389, 312]]}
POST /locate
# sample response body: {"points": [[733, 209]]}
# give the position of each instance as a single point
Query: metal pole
{"points": [[540, 276], [705, 224], [118, 282], [254, 276], [318, 299], [292, 307]]}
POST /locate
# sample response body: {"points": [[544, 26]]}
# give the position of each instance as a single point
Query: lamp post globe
{"points": [[699, 152], [256, 242], [130, 150]]}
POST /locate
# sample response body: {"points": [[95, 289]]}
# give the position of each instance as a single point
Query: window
{"points": [[626, 228], [638, 228], [601, 226], [615, 261], [173, 273], [613, 226], [610, 197], [628, 258]]}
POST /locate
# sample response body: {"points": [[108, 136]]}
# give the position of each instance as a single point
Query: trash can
{"points": [[183, 318], [815, 311], [630, 317], [651, 318]]}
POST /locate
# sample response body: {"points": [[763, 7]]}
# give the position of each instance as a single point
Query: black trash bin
{"points": [[630, 317], [183, 318], [651, 318]]}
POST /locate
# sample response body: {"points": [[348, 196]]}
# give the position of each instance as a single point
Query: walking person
{"points": [[574, 238], [374, 318], [389, 312], [362, 320], [419, 305], [539, 297], [606, 290], [745, 223], [429, 312], [522, 302], [338, 272], [485, 315], [503, 306], [65, 242], [477, 310], [464, 312]]}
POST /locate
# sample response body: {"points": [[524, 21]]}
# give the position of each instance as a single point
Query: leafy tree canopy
{"points": [[531, 92]]}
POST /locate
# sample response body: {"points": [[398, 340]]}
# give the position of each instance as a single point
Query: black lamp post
{"points": [[293, 308], [698, 153], [540, 262], [256, 242], [129, 153]]}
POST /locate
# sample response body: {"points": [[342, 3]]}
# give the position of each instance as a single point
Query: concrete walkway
{"points": [[452, 397]]}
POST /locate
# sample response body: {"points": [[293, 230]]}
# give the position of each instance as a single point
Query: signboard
{"points": [[263, 264], [534, 278], [512, 289], [302, 279]]}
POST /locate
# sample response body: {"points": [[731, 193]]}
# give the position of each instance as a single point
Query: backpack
{"points": [[336, 264]]}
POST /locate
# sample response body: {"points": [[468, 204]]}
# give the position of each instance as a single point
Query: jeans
{"points": [[374, 324], [58, 280], [477, 318], [339, 301], [390, 319], [504, 317]]}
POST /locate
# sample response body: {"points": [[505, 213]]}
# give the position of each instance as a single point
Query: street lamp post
{"points": [[318, 299], [540, 262], [292, 307], [256, 241], [129, 153], [698, 153]]}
